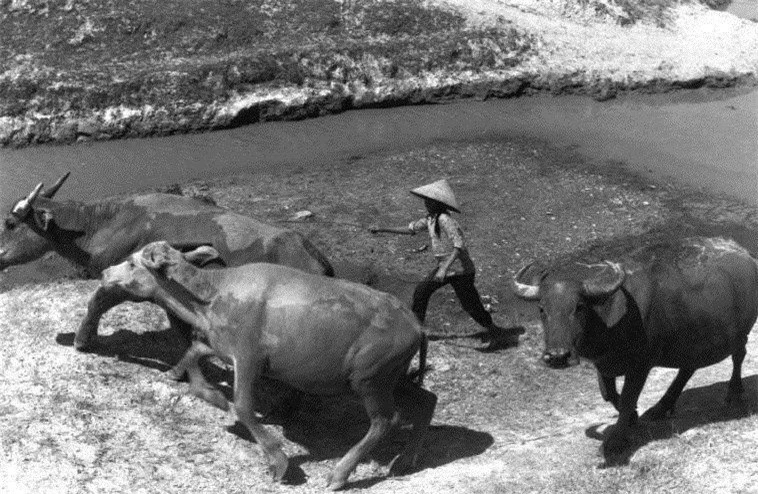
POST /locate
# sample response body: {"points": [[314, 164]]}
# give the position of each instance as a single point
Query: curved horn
{"points": [[527, 292], [593, 287], [49, 193], [34, 194], [22, 208]]}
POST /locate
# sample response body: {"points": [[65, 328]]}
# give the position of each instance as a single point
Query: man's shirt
{"points": [[446, 235]]}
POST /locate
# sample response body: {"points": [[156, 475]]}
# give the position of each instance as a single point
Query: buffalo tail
{"points": [[416, 376]]}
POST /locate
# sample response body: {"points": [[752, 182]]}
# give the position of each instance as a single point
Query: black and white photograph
{"points": [[379, 246]]}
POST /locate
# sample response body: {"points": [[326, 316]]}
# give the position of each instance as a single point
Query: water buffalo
{"points": [[683, 305], [317, 334], [100, 234]]}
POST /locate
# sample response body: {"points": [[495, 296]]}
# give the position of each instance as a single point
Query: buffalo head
{"points": [[149, 269], [19, 244], [572, 328]]}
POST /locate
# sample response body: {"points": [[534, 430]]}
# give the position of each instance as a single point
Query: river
{"points": [[687, 138], [747, 9]]}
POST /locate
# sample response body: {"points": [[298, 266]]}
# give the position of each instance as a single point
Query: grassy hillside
{"points": [[179, 56]]}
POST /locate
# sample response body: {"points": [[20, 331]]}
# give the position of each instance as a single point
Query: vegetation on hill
{"points": [[91, 69]]}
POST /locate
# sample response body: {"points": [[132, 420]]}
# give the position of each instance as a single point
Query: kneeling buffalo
{"points": [[683, 305], [100, 234], [319, 335]]}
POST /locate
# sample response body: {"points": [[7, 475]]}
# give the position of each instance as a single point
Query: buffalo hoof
{"points": [[334, 482], [614, 446], [85, 345], [402, 464], [209, 394], [176, 374], [278, 466], [215, 398]]}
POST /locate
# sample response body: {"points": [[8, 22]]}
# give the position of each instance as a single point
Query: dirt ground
{"points": [[113, 421]]}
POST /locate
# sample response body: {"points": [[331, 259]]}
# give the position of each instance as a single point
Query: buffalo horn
{"points": [[49, 193], [23, 206], [528, 292], [595, 288]]}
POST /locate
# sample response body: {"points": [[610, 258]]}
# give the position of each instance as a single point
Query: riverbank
{"points": [[97, 70]]}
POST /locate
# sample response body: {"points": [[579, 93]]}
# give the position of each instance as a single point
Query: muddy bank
{"points": [[129, 123]]}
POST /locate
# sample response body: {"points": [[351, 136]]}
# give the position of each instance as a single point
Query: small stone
{"points": [[303, 215]]}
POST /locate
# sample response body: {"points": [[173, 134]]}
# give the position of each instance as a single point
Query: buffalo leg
{"points": [[665, 406], [381, 410], [735, 382], [607, 385], [608, 391], [618, 437], [190, 364], [183, 366], [246, 374], [419, 404], [104, 299], [198, 386]]}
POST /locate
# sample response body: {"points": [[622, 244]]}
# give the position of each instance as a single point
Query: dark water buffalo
{"points": [[320, 335], [683, 305], [98, 235]]}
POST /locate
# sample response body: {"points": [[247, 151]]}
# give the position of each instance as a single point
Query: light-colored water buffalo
{"points": [[317, 334], [100, 234], [683, 305]]}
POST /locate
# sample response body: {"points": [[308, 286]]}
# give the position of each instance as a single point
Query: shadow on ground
{"points": [[327, 427], [158, 349], [695, 408]]}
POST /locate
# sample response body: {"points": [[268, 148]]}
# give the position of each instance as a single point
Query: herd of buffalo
{"points": [[265, 300]]}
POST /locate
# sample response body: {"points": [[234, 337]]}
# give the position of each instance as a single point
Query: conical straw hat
{"points": [[440, 191]]}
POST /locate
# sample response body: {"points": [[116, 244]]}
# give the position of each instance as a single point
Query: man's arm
{"points": [[404, 230]]}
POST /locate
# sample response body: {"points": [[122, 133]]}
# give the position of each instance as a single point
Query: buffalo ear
{"points": [[202, 256], [64, 218], [44, 218], [160, 256]]}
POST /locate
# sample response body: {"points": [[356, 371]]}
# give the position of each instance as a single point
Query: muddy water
{"points": [[747, 9], [690, 139]]}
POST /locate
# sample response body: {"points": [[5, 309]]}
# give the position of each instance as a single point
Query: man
{"points": [[453, 264]]}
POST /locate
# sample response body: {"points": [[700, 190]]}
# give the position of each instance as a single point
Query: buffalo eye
{"points": [[10, 224]]}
